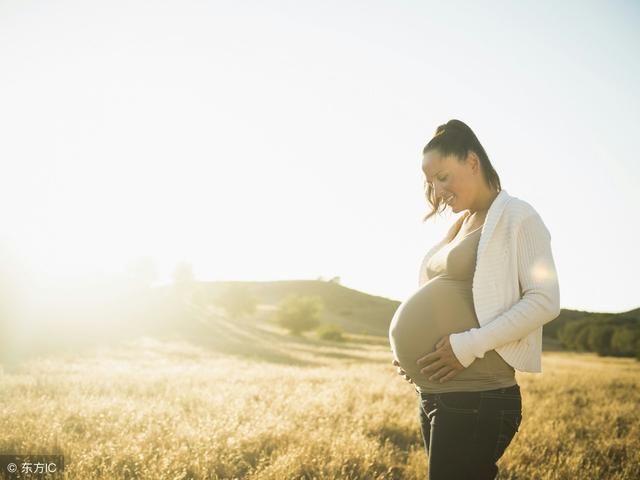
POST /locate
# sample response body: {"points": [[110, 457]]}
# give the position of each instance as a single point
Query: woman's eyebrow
{"points": [[437, 173]]}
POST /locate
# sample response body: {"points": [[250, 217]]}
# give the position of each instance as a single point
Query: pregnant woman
{"points": [[484, 293]]}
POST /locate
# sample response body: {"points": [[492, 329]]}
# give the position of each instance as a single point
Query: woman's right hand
{"points": [[401, 371]]}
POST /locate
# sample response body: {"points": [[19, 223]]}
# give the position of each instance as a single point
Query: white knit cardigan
{"points": [[515, 286]]}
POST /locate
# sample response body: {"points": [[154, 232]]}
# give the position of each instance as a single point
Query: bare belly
{"points": [[441, 307]]}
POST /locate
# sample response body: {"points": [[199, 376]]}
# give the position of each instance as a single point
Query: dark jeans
{"points": [[465, 433]]}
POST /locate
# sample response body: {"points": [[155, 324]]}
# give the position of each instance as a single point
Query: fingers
{"points": [[448, 376], [435, 354], [431, 368], [430, 357], [440, 374], [401, 371]]}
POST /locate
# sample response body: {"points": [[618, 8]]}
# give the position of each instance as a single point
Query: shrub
{"points": [[299, 314], [330, 332]]}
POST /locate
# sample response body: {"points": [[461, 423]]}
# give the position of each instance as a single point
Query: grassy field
{"points": [[296, 408]]}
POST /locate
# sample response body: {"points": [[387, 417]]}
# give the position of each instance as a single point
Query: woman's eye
{"points": [[442, 179]]}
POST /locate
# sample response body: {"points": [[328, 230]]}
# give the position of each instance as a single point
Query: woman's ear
{"points": [[474, 162]]}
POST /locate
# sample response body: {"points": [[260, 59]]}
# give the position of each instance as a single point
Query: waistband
{"points": [[513, 389]]}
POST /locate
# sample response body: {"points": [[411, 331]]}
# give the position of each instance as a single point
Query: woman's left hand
{"points": [[442, 364]]}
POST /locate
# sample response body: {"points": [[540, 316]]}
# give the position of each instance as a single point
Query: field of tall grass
{"points": [[150, 409]]}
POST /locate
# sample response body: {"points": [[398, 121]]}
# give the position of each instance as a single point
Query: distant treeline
{"points": [[605, 334]]}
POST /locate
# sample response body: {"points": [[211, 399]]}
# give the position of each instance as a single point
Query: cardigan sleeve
{"points": [[539, 300]]}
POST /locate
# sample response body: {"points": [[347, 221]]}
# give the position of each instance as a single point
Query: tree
{"points": [[600, 338], [581, 341], [299, 314], [624, 340], [569, 333]]}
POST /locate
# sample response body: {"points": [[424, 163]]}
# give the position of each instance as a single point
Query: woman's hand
{"points": [[401, 371], [442, 364]]}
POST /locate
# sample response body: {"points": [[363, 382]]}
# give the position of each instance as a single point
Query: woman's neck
{"points": [[483, 203]]}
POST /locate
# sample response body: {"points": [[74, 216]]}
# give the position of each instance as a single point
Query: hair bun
{"points": [[441, 129], [454, 124]]}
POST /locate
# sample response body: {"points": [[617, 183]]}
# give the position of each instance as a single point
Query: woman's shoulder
{"points": [[518, 209], [519, 213]]}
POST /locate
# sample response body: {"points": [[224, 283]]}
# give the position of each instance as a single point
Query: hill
{"points": [[170, 312], [355, 311], [359, 312], [554, 327]]}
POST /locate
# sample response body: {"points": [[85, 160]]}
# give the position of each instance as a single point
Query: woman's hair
{"points": [[455, 137]]}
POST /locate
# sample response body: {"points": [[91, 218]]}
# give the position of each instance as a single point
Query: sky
{"points": [[272, 140]]}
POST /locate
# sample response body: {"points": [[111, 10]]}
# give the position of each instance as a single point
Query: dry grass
{"points": [[152, 410]]}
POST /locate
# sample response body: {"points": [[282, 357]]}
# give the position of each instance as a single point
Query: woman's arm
{"points": [[539, 303]]}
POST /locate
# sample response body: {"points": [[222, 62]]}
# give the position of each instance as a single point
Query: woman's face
{"points": [[455, 182]]}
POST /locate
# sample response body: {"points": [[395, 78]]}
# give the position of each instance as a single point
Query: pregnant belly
{"points": [[441, 307]]}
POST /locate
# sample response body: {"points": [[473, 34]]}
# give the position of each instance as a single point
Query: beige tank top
{"points": [[442, 306]]}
